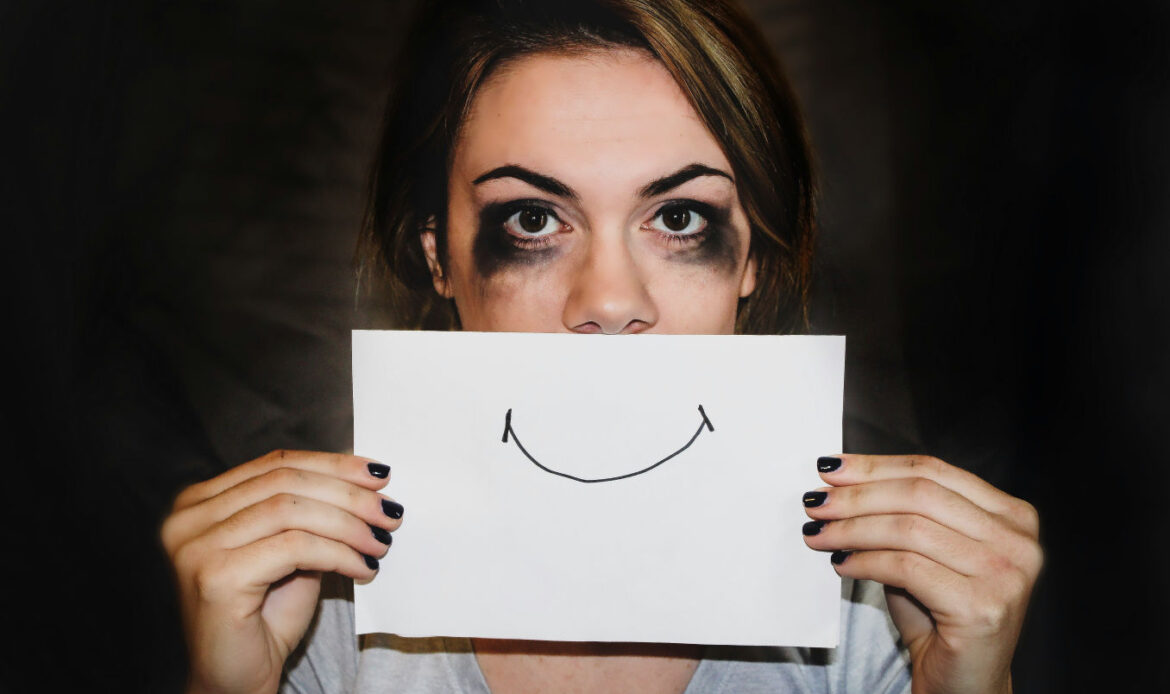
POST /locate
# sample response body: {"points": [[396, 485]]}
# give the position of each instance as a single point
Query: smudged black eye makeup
{"points": [[524, 232], [517, 232], [697, 232]]}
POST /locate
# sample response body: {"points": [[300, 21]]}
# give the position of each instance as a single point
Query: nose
{"points": [[608, 293]]}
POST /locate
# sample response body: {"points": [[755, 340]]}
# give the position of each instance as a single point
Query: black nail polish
{"points": [[840, 556], [828, 463], [813, 527], [379, 470], [370, 562], [382, 535], [812, 499], [392, 508]]}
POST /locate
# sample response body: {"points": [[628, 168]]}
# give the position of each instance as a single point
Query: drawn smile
{"points": [[509, 431]]}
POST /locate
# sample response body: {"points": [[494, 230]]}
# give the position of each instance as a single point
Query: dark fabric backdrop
{"points": [[182, 184]]}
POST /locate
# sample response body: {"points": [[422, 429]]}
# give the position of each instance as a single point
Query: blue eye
{"points": [[678, 220], [533, 222]]}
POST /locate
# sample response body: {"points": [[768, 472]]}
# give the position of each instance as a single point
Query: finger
{"points": [[941, 590], [905, 532], [857, 469], [854, 469], [363, 472], [366, 504], [919, 496], [225, 576], [284, 512]]}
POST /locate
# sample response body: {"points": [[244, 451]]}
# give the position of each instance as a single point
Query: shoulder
{"points": [[331, 659], [869, 658]]}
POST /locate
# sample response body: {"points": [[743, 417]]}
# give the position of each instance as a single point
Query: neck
{"points": [[535, 666]]}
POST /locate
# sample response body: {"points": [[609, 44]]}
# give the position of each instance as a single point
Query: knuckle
{"points": [[1017, 583], [168, 533], [926, 464], [282, 505], [996, 564], [844, 499], [294, 541], [910, 526], [922, 490], [990, 614], [868, 465], [183, 560], [1033, 559], [187, 497], [1027, 516], [907, 563], [279, 457], [285, 477], [209, 582], [1038, 558]]}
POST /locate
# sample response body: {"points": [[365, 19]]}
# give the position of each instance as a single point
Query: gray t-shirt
{"points": [[331, 660]]}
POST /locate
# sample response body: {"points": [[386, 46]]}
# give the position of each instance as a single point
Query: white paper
{"points": [[704, 548]]}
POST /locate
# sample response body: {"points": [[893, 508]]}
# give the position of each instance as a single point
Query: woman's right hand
{"points": [[248, 548]]}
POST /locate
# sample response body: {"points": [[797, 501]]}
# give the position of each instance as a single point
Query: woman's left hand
{"points": [[958, 558]]}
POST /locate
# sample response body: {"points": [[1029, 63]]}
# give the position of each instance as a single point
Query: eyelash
{"points": [[497, 215], [710, 215]]}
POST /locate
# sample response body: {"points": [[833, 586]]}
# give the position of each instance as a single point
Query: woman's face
{"points": [[586, 195]]}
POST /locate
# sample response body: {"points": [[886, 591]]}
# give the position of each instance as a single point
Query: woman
{"points": [[618, 167]]}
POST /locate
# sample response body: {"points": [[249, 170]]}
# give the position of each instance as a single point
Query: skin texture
{"points": [[582, 139], [958, 558], [248, 548], [606, 125]]}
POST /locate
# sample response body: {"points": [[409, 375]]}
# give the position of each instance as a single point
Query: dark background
{"points": [[181, 187]]}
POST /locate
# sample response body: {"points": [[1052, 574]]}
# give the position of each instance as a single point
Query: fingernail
{"points": [[379, 470], [840, 556], [812, 499], [382, 535], [392, 508], [812, 527], [370, 562], [828, 463]]}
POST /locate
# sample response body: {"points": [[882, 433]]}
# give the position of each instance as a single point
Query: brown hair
{"points": [[712, 49]]}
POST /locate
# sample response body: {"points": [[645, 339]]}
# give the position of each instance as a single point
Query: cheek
{"points": [[697, 291], [519, 299], [697, 300], [692, 292]]}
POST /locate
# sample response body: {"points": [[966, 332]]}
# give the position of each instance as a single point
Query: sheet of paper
{"points": [[600, 488]]}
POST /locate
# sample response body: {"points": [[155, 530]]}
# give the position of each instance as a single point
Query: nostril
{"points": [[588, 328], [593, 328], [635, 326]]}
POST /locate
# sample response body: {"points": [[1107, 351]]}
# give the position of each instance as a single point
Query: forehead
{"points": [[614, 113]]}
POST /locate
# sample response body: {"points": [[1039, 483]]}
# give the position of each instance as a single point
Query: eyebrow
{"points": [[676, 179], [552, 186]]}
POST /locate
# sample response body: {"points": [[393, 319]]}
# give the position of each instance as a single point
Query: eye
{"points": [[678, 220], [531, 222]]}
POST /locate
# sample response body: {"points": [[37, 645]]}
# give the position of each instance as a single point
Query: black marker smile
{"points": [[509, 431]]}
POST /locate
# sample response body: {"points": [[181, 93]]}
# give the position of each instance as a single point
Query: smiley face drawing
{"points": [[509, 432]]}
